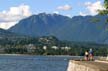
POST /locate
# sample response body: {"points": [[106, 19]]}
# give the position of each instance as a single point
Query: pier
{"points": [[87, 65]]}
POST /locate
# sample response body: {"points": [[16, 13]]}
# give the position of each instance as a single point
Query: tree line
{"points": [[49, 45]]}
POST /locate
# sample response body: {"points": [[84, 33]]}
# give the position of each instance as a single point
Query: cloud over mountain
{"points": [[92, 8], [10, 17], [65, 7]]}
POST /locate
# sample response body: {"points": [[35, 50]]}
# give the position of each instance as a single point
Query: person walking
{"points": [[91, 57], [86, 55]]}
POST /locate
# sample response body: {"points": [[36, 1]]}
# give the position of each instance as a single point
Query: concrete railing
{"points": [[87, 66]]}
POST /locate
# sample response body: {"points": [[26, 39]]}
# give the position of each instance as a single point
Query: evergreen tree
{"points": [[105, 10]]}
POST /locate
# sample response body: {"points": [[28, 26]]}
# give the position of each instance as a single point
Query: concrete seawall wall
{"points": [[86, 66]]}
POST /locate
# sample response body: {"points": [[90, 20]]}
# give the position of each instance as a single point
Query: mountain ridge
{"points": [[77, 28]]}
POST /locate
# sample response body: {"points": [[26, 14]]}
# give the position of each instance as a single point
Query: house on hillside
{"points": [[30, 48]]}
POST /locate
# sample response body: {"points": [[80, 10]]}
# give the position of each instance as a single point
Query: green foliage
{"points": [[106, 21], [106, 4], [95, 20], [105, 11], [35, 46]]}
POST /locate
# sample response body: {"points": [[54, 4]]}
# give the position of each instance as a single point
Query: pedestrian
{"points": [[86, 55], [91, 57]]}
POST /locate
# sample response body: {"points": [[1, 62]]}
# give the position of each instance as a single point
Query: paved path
{"points": [[101, 61], [102, 66]]}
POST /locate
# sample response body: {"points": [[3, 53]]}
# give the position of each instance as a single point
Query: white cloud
{"points": [[92, 8], [68, 15], [6, 25], [65, 7], [13, 15], [82, 14], [56, 12]]}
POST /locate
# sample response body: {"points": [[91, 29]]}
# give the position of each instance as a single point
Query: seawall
{"points": [[87, 66]]}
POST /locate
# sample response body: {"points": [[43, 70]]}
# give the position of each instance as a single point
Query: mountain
{"points": [[5, 33], [78, 28], [41, 25]]}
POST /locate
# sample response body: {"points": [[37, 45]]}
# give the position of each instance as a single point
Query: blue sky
{"points": [[20, 9], [49, 6]]}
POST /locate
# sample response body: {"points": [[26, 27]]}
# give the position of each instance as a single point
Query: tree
{"points": [[106, 4], [105, 10]]}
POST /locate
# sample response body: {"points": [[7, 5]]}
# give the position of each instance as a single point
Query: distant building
{"points": [[44, 47], [30, 48], [65, 48], [54, 47]]}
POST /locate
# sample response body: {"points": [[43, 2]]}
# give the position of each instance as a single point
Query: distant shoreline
{"points": [[35, 55], [13, 54]]}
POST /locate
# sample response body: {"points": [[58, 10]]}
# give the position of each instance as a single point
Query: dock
{"points": [[87, 65]]}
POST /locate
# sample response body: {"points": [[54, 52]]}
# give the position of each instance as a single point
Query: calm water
{"points": [[34, 63]]}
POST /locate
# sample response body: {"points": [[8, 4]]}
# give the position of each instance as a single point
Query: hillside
{"points": [[5, 33], [78, 28]]}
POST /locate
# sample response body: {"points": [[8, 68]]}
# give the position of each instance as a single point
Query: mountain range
{"points": [[77, 28], [6, 33]]}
